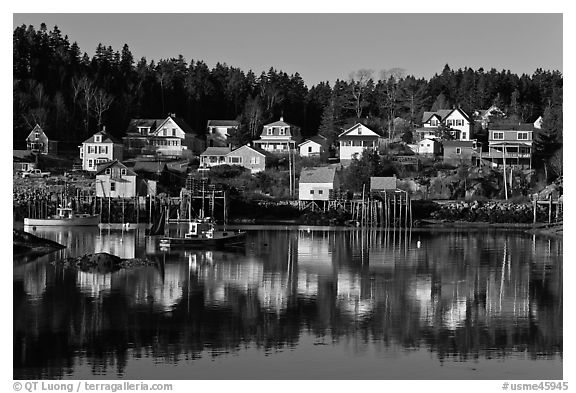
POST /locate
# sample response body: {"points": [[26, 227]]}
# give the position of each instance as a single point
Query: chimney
{"points": [[103, 128], [281, 118]]}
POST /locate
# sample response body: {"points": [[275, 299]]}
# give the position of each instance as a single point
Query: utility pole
{"points": [[504, 164]]}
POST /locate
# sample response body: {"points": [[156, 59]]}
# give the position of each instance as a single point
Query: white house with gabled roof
{"points": [[355, 140], [313, 146], [98, 149], [455, 119]]}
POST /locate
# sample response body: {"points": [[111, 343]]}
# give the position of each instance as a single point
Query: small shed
{"points": [[383, 183], [316, 183], [313, 146]]}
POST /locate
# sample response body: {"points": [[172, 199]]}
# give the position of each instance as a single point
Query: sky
{"points": [[325, 47]]}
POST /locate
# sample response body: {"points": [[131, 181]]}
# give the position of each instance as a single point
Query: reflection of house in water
{"points": [[314, 253], [351, 297], [307, 284], [420, 289], [94, 284], [34, 279], [242, 276], [273, 292], [164, 291], [121, 244]]}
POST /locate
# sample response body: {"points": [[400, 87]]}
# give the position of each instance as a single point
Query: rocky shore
{"points": [[26, 245], [491, 211], [102, 263]]}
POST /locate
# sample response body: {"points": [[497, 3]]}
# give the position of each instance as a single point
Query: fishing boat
{"points": [[64, 216], [202, 233]]}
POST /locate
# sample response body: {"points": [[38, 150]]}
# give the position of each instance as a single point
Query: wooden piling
{"points": [[534, 206], [550, 209]]}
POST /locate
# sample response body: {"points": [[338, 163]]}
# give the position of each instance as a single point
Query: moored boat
{"points": [[64, 217], [202, 233]]}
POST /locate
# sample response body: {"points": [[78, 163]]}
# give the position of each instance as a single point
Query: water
{"points": [[296, 303]]}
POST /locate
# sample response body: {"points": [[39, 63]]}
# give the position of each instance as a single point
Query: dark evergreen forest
{"points": [[72, 94]]}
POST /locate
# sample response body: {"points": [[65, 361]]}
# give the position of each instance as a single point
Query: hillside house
{"points": [[23, 161], [313, 146], [485, 116], [99, 148], [37, 142], [168, 138], [213, 156], [252, 158], [456, 119], [429, 146], [114, 179], [218, 132], [512, 144], [317, 184], [278, 137], [461, 152], [355, 140]]}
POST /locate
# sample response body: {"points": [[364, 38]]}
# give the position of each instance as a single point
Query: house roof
{"points": [[443, 114], [254, 148], [383, 183], [512, 127], [223, 123], [135, 123], [149, 166], [110, 164], [319, 139], [356, 126], [106, 138], [36, 128], [324, 174], [22, 154], [279, 123], [216, 151], [182, 124], [458, 143]]}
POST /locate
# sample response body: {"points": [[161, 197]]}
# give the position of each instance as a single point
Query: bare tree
{"points": [[102, 102], [555, 163], [85, 90], [390, 79], [359, 82]]}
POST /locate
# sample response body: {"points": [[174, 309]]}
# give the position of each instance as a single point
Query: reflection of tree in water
{"points": [[461, 296]]}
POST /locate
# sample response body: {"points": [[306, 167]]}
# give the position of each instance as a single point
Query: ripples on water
{"points": [[297, 303]]}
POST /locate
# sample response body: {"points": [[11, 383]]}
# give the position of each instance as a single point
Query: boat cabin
{"points": [[64, 212], [201, 228]]}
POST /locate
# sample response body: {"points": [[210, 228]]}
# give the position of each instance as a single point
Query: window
{"points": [[434, 122], [112, 186], [254, 160], [173, 131], [270, 131], [320, 192], [37, 135], [311, 192], [458, 150], [463, 135], [359, 130], [123, 172], [97, 138], [108, 171], [89, 163], [523, 136], [282, 131], [236, 160], [497, 135], [356, 143], [164, 131], [346, 143], [309, 149]]}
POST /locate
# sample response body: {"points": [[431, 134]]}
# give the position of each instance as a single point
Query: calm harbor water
{"points": [[296, 303]]}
